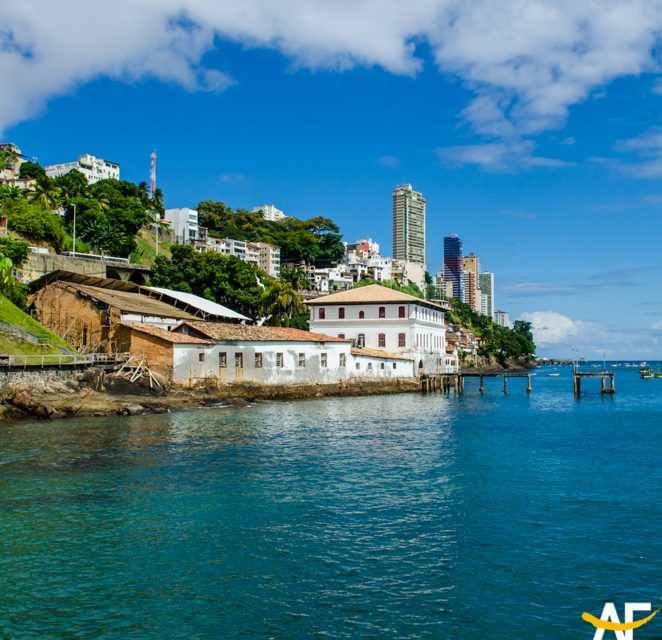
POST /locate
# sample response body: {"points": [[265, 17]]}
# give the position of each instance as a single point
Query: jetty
{"points": [[607, 379], [455, 381]]}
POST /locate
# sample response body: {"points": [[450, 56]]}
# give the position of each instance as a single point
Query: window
{"points": [[401, 312], [369, 366], [323, 360], [394, 365], [402, 340], [381, 340], [258, 360], [343, 360], [302, 360], [341, 335], [382, 312], [341, 313], [239, 360], [222, 359], [279, 359], [361, 315], [358, 365], [382, 365], [322, 313], [201, 357], [360, 343]]}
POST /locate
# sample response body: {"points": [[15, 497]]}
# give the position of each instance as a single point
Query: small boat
{"points": [[657, 373], [646, 372], [552, 375]]}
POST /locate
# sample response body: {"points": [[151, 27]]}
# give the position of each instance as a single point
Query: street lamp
{"points": [[74, 251]]}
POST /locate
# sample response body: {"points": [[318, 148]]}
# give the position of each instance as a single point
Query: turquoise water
{"points": [[402, 516]]}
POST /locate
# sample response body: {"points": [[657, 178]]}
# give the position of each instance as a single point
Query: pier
{"points": [[604, 375], [455, 381]]}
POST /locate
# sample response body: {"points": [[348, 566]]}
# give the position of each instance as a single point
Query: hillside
{"points": [[22, 335]]}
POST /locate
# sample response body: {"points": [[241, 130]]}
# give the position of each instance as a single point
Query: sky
{"points": [[532, 128]]}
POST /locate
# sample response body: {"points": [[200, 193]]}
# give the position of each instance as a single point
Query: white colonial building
{"points": [[377, 317]]}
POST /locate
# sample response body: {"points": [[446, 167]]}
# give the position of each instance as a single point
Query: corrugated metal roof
{"points": [[206, 306], [127, 302]]}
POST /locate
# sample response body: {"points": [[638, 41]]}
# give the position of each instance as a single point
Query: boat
{"points": [[646, 372], [552, 375], [657, 373]]}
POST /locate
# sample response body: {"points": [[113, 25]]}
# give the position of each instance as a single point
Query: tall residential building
{"points": [[454, 263], [408, 224], [94, 169], [502, 318], [184, 223], [471, 263], [486, 284], [270, 212]]}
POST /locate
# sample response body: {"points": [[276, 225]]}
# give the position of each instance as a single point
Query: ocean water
{"points": [[404, 516]]}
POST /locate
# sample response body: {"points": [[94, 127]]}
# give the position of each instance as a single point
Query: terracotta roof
{"points": [[371, 294], [164, 334], [375, 353], [126, 301], [226, 331]]}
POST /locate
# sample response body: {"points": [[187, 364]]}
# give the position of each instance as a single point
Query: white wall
{"points": [[188, 367], [424, 329]]}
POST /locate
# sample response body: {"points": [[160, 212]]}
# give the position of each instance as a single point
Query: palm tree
{"points": [[279, 301], [296, 277], [10, 193], [46, 193]]}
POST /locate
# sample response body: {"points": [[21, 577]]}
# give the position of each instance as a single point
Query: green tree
{"points": [[31, 171], [46, 193], [279, 301], [34, 222], [296, 277], [16, 251], [223, 279]]}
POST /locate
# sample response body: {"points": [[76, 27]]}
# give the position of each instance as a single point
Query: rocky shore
{"points": [[84, 397]]}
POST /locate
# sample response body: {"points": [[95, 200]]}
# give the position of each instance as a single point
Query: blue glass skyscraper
{"points": [[454, 263]]}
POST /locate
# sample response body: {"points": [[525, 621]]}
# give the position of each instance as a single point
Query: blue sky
{"points": [[533, 129]]}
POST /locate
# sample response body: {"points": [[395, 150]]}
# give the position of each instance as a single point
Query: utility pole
{"points": [[74, 251]]}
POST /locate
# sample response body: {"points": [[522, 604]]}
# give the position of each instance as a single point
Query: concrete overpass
{"points": [[40, 264]]}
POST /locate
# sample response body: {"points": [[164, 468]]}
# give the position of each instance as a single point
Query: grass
{"points": [[50, 343], [145, 252]]}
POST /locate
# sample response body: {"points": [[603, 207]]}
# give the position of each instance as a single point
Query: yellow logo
{"points": [[609, 620]]}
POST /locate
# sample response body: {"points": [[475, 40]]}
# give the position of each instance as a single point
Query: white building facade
{"points": [[380, 318], [93, 168], [184, 223], [270, 212], [275, 355]]}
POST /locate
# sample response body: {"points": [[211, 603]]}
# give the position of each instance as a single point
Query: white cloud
{"points": [[550, 327], [389, 161], [507, 156], [657, 326], [526, 62]]}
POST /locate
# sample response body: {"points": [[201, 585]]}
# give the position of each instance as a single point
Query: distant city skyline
{"points": [[535, 139]]}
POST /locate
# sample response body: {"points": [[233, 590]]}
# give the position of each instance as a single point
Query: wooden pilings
{"points": [[455, 381], [603, 375]]}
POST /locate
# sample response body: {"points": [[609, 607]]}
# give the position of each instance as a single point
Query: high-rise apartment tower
{"points": [[454, 263], [486, 283], [408, 224]]}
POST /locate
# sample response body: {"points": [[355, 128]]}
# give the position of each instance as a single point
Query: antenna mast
{"points": [[152, 191]]}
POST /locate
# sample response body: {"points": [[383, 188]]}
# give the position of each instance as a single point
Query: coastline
{"points": [[89, 396], [68, 400]]}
